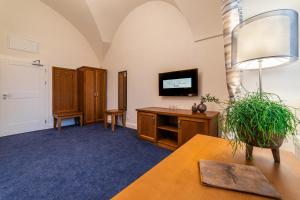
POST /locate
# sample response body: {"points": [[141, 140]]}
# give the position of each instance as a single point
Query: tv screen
{"points": [[179, 83]]}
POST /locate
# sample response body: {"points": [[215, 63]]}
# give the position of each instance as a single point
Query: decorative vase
{"points": [[194, 108], [202, 107], [274, 144]]}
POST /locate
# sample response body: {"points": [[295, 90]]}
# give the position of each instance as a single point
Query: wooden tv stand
{"points": [[171, 128]]}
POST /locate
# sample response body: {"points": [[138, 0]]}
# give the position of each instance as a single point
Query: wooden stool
{"points": [[115, 113], [58, 117]]}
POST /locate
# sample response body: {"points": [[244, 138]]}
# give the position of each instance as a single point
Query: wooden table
{"points": [[115, 113], [177, 176]]}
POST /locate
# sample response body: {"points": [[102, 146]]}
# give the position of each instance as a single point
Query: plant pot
{"points": [[194, 108], [274, 144], [202, 107]]}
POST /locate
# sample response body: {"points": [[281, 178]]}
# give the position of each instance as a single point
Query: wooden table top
{"points": [[179, 112], [177, 176], [115, 111]]}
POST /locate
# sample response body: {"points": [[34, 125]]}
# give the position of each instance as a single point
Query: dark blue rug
{"points": [[78, 163]]}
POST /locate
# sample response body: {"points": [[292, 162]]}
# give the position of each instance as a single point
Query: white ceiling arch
{"points": [[98, 20], [109, 14], [78, 13]]}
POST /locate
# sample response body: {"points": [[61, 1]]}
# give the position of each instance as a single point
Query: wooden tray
{"points": [[242, 178]]}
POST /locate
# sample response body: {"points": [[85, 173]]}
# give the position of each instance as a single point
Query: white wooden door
{"points": [[23, 97]]}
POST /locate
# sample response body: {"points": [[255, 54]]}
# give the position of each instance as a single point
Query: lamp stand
{"points": [[260, 77]]}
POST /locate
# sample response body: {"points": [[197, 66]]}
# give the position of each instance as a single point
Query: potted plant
{"points": [[258, 119], [207, 98]]}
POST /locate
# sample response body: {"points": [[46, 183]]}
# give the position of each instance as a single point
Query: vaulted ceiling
{"points": [[98, 20]]}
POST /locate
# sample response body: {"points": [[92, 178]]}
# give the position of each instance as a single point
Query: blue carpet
{"points": [[78, 163]]}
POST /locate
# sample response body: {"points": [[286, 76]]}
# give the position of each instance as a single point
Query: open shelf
{"points": [[168, 128], [168, 142], [167, 131]]}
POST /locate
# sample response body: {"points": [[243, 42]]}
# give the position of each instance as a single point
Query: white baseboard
{"points": [[128, 124], [131, 125], [67, 122]]}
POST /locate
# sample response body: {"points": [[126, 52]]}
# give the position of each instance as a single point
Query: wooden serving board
{"points": [[242, 178]]}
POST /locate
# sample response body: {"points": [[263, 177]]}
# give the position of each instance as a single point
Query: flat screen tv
{"points": [[179, 83]]}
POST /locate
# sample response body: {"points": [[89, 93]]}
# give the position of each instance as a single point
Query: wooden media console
{"points": [[171, 128]]}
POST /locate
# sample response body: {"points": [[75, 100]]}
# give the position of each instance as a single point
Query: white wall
{"points": [[283, 81], [204, 16], [155, 38], [60, 43]]}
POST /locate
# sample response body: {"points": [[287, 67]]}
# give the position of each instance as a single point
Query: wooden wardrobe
{"points": [[92, 93]]}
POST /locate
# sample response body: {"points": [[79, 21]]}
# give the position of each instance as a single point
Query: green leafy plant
{"points": [[209, 98], [258, 117]]}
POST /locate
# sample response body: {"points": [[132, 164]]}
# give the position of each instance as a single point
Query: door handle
{"points": [[5, 96]]}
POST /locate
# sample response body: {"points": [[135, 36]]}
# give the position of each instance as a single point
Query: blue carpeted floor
{"points": [[78, 163]]}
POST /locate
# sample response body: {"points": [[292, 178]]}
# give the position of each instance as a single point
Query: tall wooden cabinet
{"points": [[92, 93], [122, 90]]}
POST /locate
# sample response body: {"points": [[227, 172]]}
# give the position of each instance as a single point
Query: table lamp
{"points": [[266, 40]]}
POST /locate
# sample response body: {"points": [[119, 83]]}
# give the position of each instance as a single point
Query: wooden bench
{"points": [[115, 113], [58, 117]]}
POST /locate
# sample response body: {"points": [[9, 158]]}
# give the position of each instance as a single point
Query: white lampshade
{"points": [[271, 38]]}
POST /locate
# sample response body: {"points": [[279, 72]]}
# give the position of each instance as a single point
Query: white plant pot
{"points": [[297, 147]]}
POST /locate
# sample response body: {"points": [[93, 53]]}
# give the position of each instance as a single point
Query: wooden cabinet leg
{"points": [[54, 122], [276, 155], [124, 119], [81, 120], [249, 152], [59, 123], [105, 120], [113, 122]]}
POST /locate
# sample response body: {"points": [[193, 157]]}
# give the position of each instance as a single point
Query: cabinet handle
{"points": [[179, 126]]}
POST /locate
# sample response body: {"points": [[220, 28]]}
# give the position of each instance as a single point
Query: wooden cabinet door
{"points": [[189, 127], [64, 90], [89, 90], [100, 100], [147, 126]]}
